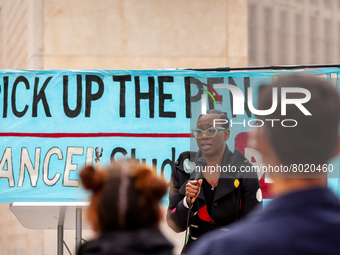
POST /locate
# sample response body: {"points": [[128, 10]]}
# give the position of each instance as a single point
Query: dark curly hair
{"points": [[124, 196]]}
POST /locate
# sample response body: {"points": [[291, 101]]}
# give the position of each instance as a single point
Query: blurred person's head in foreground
{"points": [[310, 142], [125, 199]]}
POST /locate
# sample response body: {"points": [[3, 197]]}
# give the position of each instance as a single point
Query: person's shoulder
{"points": [[243, 166], [223, 242], [185, 156], [238, 158], [90, 247], [241, 238]]}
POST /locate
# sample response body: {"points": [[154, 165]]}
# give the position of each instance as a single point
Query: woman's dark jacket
{"points": [[137, 242], [235, 196]]}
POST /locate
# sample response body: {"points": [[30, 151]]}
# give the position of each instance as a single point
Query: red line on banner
{"points": [[85, 135]]}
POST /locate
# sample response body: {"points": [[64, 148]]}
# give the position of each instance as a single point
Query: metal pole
{"points": [[60, 241], [78, 228]]}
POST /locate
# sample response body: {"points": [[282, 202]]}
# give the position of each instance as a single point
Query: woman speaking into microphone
{"points": [[219, 193]]}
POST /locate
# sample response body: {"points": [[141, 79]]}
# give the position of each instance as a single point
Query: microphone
{"points": [[200, 163]]}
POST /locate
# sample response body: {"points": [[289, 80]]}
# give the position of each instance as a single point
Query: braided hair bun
{"points": [[92, 179], [148, 183]]}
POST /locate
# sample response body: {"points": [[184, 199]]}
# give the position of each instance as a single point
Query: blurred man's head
{"points": [[315, 139]]}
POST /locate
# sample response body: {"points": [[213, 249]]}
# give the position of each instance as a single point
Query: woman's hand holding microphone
{"points": [[192, 190]]}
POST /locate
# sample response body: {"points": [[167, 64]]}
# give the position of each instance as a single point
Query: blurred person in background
{"points": [[216, 198], [304, 216], [124, 210]]}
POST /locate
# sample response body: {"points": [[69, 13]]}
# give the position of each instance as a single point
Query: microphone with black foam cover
{"points": [[200, 164]]}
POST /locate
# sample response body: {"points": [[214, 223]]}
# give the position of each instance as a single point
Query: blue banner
{"points": [[53, 121]]}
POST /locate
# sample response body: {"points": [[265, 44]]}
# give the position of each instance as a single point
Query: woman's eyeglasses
{"points": [[210, 132]]}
